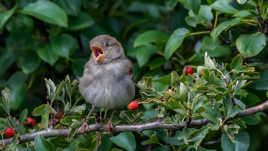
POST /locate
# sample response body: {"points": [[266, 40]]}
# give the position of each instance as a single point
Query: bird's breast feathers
{"points": [[107, 85]]}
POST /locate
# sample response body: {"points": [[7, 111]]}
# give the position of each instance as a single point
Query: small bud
{"points": [[9, 132], [189, 70], [29, 122], [133, 105]]}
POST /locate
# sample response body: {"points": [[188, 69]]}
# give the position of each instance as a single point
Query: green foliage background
{"points": [[49, 39]]}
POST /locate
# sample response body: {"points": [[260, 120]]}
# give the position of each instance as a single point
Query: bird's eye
{"points": [[107, 44]]}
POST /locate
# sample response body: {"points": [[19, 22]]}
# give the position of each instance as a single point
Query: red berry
{"points": [[133, 105], [9, 132], [189, 70], [29, 122]]}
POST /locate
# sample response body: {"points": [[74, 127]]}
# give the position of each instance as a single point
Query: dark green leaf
{"points": [[125, 140], [63, 45], [224, 6], [150, 37], [226, 143], [16, 84], [241, 142], [6, 60], [47, 54], [195, 5], [224, 26], [29, 62], [47, 11], [71, 7], [144, 53], [80, 22], [41, 144], [262, 82], [251, 45], [175, 41], [78, 66], [4, 16]]}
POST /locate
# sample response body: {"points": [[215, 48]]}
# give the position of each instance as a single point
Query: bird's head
{"points": [[105, 49]]}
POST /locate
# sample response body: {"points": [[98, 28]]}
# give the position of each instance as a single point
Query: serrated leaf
{"points": [[209, 62], [47, 11], [125, 140], [250, 45], [175, 41]]}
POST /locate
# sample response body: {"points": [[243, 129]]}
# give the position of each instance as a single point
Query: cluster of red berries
{"points": [[9, 132]]}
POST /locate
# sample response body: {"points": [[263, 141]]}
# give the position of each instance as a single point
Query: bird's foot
{"points": [[85, 124], [83, 128], [110, 124]]}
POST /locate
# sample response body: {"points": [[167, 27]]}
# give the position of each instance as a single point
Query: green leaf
{"points": [[162, 148], [214, 48], [262, 82], [16, 84], [150, 114], [226, 143], [106, 144], [29, 62], [175, 41], [209, 62], [47, 11], [125, 140], [4, 16], [63, 45], [237, 62], [43, 111], [41, 144], [78, 66], [150, 37], [80, 22], [47, 54], [224, 26], [203, 17], [224, 6], [71, 7], [243, 13], [251, 45], [144, 53], [195, 5], [241, 142], [6, 60]]}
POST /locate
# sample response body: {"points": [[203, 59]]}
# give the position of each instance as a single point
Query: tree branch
{"points": [[131, 127]]}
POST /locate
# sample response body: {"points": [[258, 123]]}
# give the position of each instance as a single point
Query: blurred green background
{"points": [[49, 39]]}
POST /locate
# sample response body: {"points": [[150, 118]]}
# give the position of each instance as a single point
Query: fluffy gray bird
{"points": [[107, 77]]}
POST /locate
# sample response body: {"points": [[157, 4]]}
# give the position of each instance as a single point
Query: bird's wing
{"points": [[128, 70]]}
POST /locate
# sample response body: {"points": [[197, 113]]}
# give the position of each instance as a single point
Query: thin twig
{"points": [[132, 127]]}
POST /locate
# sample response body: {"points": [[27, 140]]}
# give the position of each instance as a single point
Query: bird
{"points": [[107, 79]]}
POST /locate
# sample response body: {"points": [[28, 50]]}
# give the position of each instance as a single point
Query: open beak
{"points": [[98, 52]]}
